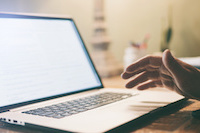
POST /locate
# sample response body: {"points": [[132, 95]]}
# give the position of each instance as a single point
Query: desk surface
{"points": [[179, 121]]}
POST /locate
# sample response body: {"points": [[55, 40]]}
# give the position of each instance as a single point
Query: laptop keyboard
{"points": [[68, 108]]}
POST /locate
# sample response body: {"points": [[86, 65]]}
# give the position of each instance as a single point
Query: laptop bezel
{"points": [[39, 16]]}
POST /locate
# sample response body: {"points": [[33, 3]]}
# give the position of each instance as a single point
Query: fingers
{"points": [[142, 78], [172, 65], [150, 84], [164, 71], [168, 84], [166, 77], [126, 75], [152, 61]]}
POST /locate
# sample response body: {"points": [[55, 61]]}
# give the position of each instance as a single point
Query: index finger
{"points": [[147, 61]]}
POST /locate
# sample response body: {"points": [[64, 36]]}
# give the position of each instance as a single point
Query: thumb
{"points": [[172, 65]]}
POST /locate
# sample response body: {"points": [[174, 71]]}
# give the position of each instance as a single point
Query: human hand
{"points": [[166, 71]]}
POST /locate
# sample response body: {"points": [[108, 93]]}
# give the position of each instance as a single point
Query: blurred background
{"points": [[127, 20]]}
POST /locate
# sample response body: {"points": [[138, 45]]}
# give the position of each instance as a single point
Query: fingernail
{"points": [[122, 75]]}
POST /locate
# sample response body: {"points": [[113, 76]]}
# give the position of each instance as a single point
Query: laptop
{"points": [[48, 80]]}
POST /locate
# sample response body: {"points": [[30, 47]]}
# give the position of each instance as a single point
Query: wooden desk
{"points": [[179, 121]]}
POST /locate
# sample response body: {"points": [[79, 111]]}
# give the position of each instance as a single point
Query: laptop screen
{"points": [[40, 58]]}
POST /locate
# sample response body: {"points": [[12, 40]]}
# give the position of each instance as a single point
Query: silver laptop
{"points": [[47, 79]]}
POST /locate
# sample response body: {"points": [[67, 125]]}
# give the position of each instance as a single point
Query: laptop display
{"points": [[31, 65]]}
